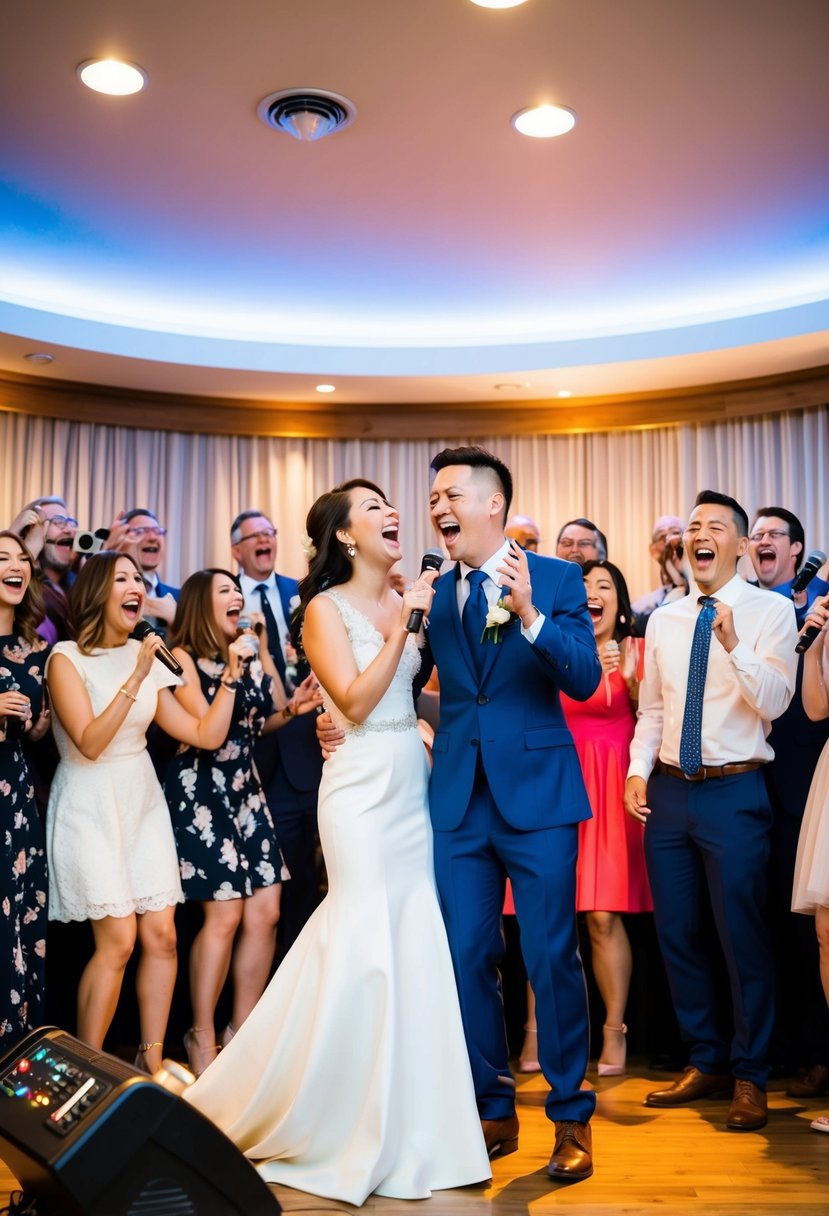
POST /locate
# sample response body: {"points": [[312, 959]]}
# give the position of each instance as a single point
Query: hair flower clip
{"points": [[308, 546]]}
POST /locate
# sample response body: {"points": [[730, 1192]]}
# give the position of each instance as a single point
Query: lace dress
{"points": [[227, 845], [23, 858], [109, 839], [351, 1075]]}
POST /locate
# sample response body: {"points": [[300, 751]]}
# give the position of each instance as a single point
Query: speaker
{"points": [[87, 1135]]}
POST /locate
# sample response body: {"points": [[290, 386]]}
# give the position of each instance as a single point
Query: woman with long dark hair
{"points": [[24, 715], [112, 856], [351, 1075], [229, 856]]}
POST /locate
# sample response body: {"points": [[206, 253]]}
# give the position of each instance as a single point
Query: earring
{"points": [[622, 619], [350, 550]]}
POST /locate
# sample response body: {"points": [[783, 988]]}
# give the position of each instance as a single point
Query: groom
{"points": [[507, 794]]}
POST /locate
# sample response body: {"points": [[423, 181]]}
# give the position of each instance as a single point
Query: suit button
{"points": [[482, 700], [473, 742]]}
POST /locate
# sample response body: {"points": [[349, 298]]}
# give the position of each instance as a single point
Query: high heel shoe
{"points": [[195, 1053], [614, 1070], [140, 1057], [528, 1060], [228, 1033]]}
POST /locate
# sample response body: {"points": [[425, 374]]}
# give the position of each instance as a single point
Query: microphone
{"points": [[806, 638], [243, 624], [808, 571], [142, 630], [433, 559]]}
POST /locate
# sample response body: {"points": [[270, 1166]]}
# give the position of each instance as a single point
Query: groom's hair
{"points": [[478, 458]]}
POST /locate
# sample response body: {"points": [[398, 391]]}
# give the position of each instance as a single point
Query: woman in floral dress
{"points": [[23, 852], [229, 856]]}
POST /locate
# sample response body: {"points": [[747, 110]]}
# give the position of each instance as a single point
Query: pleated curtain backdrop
{"points": [[196, 484]]}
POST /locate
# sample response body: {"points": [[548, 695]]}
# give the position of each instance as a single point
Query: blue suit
{"points": [[506, 798]]}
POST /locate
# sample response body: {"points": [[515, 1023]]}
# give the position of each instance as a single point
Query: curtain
{"points": [[621, 480]]}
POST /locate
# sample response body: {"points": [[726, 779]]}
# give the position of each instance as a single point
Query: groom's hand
{"points": [[329, 736], [516, 585]]}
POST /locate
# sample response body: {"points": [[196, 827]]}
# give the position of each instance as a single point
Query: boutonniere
{"points": [[293, 604], [498, 617]]}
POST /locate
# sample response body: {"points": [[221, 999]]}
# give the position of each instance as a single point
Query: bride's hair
{"points": [[330, 564]]}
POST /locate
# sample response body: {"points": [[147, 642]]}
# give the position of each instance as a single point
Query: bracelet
{"points": [[230, 685], [287, 712], [127, 693]]}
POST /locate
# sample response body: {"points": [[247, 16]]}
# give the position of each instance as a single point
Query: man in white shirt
{"points": [[706, 809]]}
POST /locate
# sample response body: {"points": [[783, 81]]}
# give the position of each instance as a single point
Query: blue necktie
{"points": [[474, 615], [690, 742], [274, 640]]}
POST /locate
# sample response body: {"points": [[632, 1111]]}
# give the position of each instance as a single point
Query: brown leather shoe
{"points": [[572, 1158], [749, 1109], [813, 1084], [691, 1085], [500, 1136]]}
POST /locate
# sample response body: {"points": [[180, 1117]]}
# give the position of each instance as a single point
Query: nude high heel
{"points": [[199, 1057], [140, 1057], [615, 1070]]}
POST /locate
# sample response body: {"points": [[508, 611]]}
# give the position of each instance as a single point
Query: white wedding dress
{"points": [[351, 1075]]}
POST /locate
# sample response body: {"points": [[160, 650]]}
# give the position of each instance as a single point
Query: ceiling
{"points": [[170, 241]]}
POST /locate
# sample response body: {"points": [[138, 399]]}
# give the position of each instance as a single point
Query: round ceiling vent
{"points": [[306, 114]]}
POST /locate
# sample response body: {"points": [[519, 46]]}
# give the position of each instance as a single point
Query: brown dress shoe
{"points": [[572, 1159], [813, 1084], [500, 1136], [749, 1109], [691, 1085]]}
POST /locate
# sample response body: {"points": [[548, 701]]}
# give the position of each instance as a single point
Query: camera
{"points": [[90, 542]]}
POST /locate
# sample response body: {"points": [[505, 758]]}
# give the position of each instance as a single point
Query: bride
{"points": [[351, 1075]]}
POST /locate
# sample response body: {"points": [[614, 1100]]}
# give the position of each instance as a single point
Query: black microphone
{"points": [[806, 638], [433, 559], [808, 571], [142, 630]]}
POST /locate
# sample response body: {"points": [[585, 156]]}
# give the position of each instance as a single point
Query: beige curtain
{"points": [[621, 480]]}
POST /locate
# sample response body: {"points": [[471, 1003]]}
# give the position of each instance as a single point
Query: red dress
{"points": [[610, 874]]}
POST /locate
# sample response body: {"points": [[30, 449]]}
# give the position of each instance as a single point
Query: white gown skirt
{"points": [[351, 1076]]}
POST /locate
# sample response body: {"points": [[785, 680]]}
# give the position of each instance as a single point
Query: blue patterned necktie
{"points": [[274, 640], [474, 615], [690, 742]]}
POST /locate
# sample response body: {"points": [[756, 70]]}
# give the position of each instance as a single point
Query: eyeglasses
{"points": [[566, 543], [771, 533], [150, 530], [60, 520], [265, 534]]}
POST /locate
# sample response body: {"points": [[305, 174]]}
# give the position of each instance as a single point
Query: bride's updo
{"points": [[330, 563]]}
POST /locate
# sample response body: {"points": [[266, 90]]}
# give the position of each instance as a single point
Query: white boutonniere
{"points": [[293, 604], [497, 618]]}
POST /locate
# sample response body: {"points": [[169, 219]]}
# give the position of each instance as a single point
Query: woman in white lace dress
{"points": [[112, 857], [351, 1075]]}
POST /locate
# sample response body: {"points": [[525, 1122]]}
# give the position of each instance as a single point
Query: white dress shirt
{"points": [[493, 589], [744, 690], [254, 604]]}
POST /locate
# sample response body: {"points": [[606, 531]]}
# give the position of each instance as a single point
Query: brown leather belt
{"points": [[710, 770]]}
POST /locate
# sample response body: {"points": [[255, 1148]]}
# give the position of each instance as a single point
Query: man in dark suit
{"points": [[289, 760], [508, 630]]}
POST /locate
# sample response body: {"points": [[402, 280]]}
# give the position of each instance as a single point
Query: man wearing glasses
{"points": [[49, 530], [777, 546], [138, 533], [580, 541], [289, 760]]}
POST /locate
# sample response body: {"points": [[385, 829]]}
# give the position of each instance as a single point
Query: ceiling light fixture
{"points": [[326, 388], [112, 76], [498, 3], [307, 114], [40, 358], [564, 392], [544, 122]]}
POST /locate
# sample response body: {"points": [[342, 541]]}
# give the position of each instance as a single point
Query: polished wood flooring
{"points": [[647, 1162]]}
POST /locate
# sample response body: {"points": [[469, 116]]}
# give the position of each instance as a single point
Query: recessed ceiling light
{"points": [[544, 122], [40, 358], [112, 76], [564, 392], [498, 3], [326, 388]]}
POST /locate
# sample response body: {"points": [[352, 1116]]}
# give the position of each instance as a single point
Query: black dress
{"points": [[225, 837], [23, 882]]}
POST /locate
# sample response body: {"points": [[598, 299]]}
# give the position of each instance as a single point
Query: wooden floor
{"points": [[647, 1162]]}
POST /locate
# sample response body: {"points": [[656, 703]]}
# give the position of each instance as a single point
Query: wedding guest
{"points": [[666, 550], [811, 878], [111, 852], [580, 541], [524, 531], [139, 533], [53, 530], [610, 875], [24, 714], [229, 855]]}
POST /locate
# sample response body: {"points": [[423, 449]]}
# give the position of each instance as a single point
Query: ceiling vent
{"points": [[307, 114]]}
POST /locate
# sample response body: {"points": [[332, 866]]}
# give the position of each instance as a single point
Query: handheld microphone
{"points": [[808, 571], [142, 630], [433, 559], [243, 624], [806, 638]]}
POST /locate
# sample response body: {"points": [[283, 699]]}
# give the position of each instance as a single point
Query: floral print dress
{"points": [[23, 884], [226, 841]]}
